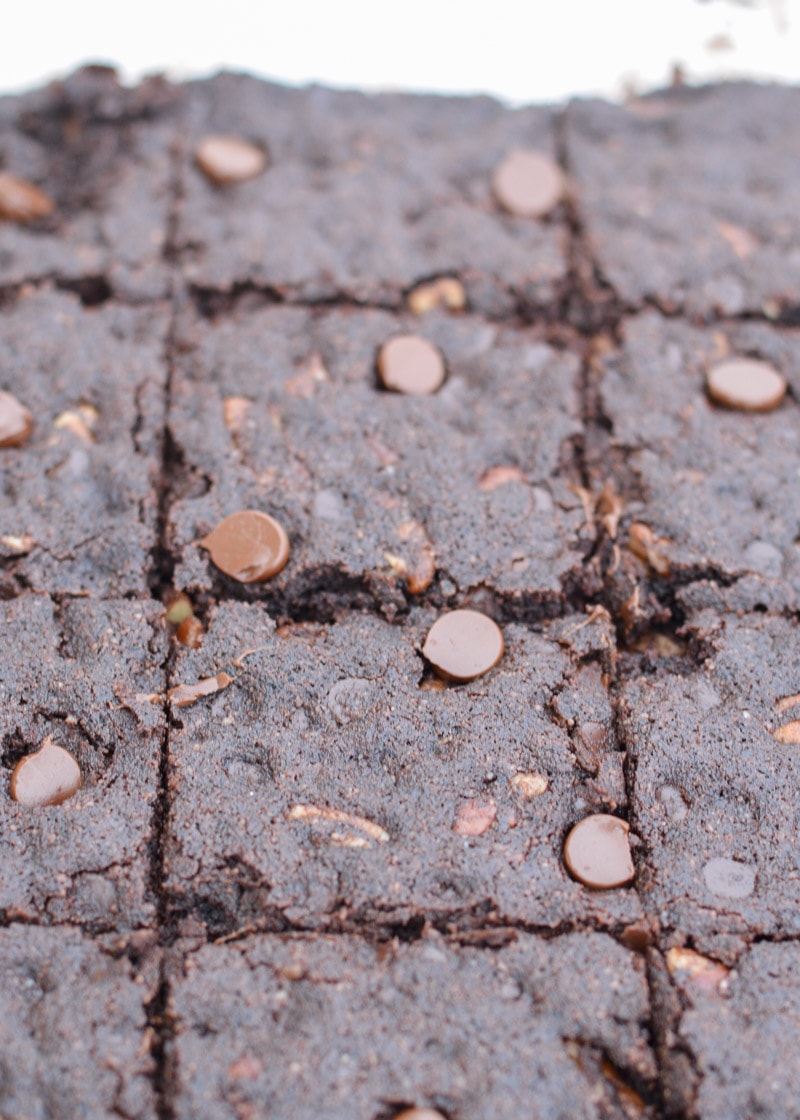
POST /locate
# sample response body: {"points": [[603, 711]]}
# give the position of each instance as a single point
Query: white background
{"points": [[520, 51]]}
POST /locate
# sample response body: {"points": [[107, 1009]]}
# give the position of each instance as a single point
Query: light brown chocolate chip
{"points": [[528, 184], [46, 777], [411, 365], [463, 645], [229, 159], [597, 852], [21, 201], [419, 1114], [474, 818], [446, 292], [16, 423], [249, 546], [746, 384]]}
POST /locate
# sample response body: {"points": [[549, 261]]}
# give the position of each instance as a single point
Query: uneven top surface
{"points": [[315, 848]]}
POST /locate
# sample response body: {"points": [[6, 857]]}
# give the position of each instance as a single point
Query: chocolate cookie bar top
{"points": [[365, 196], [691, 199], [325, 788], [87, 860], [78, 498], [339, 1027], [102, 153], [376, 490]]}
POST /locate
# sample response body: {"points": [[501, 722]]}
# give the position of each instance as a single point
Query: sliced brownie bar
{"points": [[78, 499], [88, 674], [325, 788], [302, 1026], [365, 196], [383, 495], [690, 199]]}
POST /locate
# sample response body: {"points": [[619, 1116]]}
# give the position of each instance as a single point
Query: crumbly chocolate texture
{"points": [[74, 1037], [326, 728], [83, 674], [383, 496], [78, 500], [364, 196], [714, 797], [739, 1031], [691, 199], [103, 154], [716, 489], [340, 1027]]}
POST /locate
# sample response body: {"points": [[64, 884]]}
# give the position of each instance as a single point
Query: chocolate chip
{"points": [[528, 184], [229, 159], [728, 878], [21, 201], [463, 645], [411, 365], [16, 423], [249, 546], [419, 1114], [597, 852], [746, 385], [46, 777]]}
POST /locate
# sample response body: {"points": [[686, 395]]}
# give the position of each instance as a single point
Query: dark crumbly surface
{"points": [[298, 1026], [382, 494], [334, 885], [74, 1027], [75, 676], [78, 503], [690, 199], [333, 717], [381, 192]]}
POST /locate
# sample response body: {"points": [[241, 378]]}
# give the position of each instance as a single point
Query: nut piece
{"points": [[529, 785], [446, 292], [16, 423], [21, 201], [474, 818]]}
